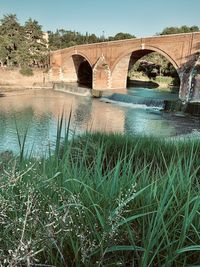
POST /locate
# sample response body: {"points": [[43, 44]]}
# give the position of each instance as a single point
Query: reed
{"points": [[102, 200]]}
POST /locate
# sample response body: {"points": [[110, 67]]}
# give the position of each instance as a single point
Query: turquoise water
{"points": [[38, 112]]}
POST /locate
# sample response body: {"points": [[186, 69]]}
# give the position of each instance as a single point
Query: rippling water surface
{"points": [[38, 112]]}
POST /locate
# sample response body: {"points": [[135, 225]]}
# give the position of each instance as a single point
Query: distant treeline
{"points": [[182, 29], [66, 38]]}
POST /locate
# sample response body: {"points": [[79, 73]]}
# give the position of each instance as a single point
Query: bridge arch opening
{"points": [[83, 70], [145, 65], [76, 68]]}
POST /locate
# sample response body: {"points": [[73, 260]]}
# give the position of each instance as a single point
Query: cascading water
{"points": [[140, 102], [190, 85], [191, 80], [72, 88]]}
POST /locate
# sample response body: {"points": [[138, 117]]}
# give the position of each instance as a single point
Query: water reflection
{"points": [[38, 111]]}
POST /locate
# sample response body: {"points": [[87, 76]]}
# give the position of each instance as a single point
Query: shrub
{"points": [[26, 71]]}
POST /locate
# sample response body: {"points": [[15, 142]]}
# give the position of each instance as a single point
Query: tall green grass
{"points": [[102, 200]]}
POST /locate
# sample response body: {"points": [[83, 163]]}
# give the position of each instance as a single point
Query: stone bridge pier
{"points": [[104, 66]]}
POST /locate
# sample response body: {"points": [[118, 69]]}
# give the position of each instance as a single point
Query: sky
{"points": [[106, 17]]}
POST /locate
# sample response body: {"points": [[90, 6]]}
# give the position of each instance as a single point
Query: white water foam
{"points": [[130, 105]]}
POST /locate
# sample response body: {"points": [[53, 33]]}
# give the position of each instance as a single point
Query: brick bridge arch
{"points": [[66, 66], [143, 52], [120, 67], [109, 61]]}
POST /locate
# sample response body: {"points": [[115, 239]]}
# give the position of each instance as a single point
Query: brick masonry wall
{"points": [[179, 49], [12, 77]]}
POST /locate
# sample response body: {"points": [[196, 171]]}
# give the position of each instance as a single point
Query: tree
{"points": [[21, 45], [4, 53], [122, 36], [36, 45], [11, 33], [182, 29], [92, 39], [64, 38], [55, 41], [153, 65]]}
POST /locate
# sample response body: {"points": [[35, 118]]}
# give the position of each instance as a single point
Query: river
{"points": [[137, 111]]}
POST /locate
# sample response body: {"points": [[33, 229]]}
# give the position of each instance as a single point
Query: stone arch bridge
{"points": [[107, 63]]}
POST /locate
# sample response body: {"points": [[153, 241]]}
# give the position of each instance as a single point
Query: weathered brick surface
{"points": [[179, 49], [12, 77], [101, 75]]}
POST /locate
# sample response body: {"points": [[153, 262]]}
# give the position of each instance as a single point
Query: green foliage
{"points": [[182, 29], [121, 36], [11, 33], [155, 66], [26, 71], [22, 45], [65, 38], [102, 200], [36, 44]]}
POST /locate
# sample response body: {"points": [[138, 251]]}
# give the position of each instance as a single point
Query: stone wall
{"points": [[12, 77]]}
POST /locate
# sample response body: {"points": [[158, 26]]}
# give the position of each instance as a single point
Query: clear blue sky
{"points": [[138, 17]]}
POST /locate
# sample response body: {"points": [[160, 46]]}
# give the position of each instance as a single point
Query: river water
{"points": [[135, 111]]}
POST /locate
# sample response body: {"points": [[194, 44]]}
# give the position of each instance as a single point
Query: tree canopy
{"points": [[182, 29], [65, 38], [22, 46], [121, 36]]}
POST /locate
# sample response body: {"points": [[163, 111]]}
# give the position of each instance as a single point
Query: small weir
{"points": [[136, 100], [72, 88]]}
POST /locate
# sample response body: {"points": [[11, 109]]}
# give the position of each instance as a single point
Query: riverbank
{"points": [[164, 83], [12, 81], [102, 200], [11, 90]]}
